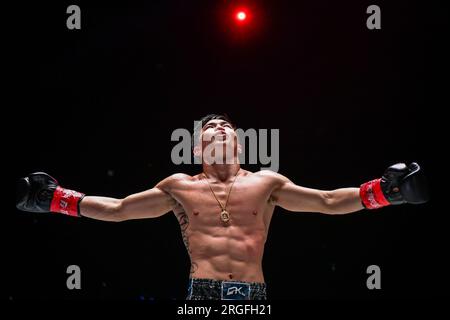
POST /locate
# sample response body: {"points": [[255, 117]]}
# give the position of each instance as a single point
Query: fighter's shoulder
{"points": [[174, 180], [180, 177], [272, 176]]}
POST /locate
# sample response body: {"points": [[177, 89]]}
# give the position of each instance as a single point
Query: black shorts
{"points": [[209, 289]]}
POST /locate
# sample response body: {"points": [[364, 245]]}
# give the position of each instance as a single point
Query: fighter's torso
{"points": [[225, 250]]}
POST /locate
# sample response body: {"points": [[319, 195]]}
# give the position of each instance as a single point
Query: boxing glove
{"points": [[399, 184], [39, 192]]}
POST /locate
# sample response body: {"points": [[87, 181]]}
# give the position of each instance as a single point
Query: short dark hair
{"points": [[207, 118], [213, 116]]}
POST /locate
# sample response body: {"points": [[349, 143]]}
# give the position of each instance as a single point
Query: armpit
{"points": [[178, 208], [272, 201]]}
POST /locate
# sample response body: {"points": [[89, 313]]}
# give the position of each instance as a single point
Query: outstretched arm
{"points": [[40, 192], [148, 204], [399, 184], [300, 199]]}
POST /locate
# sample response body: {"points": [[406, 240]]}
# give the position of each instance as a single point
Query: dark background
{"points": [[96, 108]]}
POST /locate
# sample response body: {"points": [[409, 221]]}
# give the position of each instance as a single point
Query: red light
{"points": [[241, 16], [243, 22]]}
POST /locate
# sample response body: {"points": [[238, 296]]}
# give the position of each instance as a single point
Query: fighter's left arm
{"points": [[296, 198], [399, 184]]}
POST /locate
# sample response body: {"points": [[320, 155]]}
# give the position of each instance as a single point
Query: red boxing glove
{"points": [[40, 192], [399, 184], [66, 201], [372, 196]]}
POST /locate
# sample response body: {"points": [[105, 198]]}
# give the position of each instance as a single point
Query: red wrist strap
{"points": [[372, 196], [66, 201]]}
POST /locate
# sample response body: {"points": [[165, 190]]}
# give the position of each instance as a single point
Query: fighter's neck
{"points": [[221, 172]]}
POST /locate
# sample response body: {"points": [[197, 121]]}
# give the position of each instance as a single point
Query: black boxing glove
{"points": [[40, 192], [399, 184]]}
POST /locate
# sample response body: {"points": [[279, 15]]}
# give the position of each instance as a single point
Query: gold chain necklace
{"points": [[224, 215]]}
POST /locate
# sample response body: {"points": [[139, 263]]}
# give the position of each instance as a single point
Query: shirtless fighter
{"points": [[225, 211]]}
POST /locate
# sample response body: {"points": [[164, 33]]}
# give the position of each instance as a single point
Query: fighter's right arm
{"points": [[40, 192], [148, 204]]}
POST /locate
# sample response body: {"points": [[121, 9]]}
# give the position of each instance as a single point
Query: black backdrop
{"points": [[97, 107]]}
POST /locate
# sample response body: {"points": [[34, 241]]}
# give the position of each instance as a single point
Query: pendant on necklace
{"points": [[225, 216]]}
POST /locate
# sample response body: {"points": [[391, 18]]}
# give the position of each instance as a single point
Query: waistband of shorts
{"points": [[212, 283]]}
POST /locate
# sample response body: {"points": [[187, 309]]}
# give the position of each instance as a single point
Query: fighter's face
{"points": [[217, 131], [218, 142]]}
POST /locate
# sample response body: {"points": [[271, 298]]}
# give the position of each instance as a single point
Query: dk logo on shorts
{"points": [[235, 291]]}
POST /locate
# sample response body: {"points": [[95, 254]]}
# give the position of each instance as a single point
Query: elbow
{"points": [[118, 212], [329, 203], [335, 203]]}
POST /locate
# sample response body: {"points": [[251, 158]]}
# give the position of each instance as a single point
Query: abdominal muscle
{"points": [[227, 253]]}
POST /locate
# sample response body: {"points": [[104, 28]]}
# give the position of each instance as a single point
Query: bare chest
{"points": [[245, 206]]}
